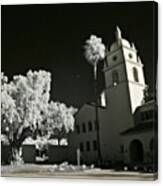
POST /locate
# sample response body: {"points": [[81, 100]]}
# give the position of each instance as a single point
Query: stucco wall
{"points": [[58, 154], [145, 138], [85, 115], [5, 154], [116, 118]]}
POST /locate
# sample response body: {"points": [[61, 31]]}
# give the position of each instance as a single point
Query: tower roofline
{"points": [[118, 33], [120, 42]]}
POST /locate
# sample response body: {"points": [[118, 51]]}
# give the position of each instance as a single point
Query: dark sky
{"points": [[51, 37]]}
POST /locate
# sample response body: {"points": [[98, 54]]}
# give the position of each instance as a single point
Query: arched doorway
{"points": [[136, 151]]}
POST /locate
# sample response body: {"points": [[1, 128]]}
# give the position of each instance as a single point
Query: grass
{"points": [[32, 170]]}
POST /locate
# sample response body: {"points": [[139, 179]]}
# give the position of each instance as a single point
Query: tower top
{"points": [[119, 41], [118, 34]]}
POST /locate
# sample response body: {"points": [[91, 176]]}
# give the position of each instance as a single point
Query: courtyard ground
{"points": [[34, 170]]}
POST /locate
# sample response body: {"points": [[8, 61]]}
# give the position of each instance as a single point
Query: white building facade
{"points": [[123, 93]]}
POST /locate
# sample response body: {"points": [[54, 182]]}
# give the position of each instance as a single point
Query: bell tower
{"points": [[124, 90], [123, 69]]}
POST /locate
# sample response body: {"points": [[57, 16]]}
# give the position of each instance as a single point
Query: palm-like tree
{"points": [[95, 52]]}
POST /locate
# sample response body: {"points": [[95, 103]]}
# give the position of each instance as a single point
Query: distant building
{"points": [[126, 121]]}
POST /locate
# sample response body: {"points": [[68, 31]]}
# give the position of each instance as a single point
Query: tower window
{"points": [[135, 73], [115, 78], [114, 58], [130, 56]]}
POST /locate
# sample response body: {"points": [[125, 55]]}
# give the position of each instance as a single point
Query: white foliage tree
{"points": [[23, 101], [59, 119], [9, 113], [25, 109], [32, 96]]}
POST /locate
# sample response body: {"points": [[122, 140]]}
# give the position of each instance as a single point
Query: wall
{"points": [[29, 153], [144, 138], [58, 154], [85, 115], [5, 154]]}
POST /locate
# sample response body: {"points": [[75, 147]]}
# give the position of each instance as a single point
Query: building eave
{"points": [[142, 127]]}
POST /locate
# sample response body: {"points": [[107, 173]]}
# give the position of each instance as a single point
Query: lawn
{"points": [[70, 171]]}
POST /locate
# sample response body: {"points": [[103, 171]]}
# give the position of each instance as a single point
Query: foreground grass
{"points": [[32, 170]]}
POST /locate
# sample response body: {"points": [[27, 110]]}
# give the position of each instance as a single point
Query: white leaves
{"points": [[94, 49], [32, 95], [25, 103], [4, 139], [60, 116], [8, 106], [4, 79], [24, 98]]}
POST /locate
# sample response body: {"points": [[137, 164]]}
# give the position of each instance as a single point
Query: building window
{"points": [[135, 73], [147, 115], [78, 129], [95, 125], [87, 146], [84, 127], [90, 126], [151, 114], [81, 147], [115, 78], [94, 145]]}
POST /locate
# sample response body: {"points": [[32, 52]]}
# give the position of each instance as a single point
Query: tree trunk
{"points": [[16, 155], [16, 140], [59, 141]]}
